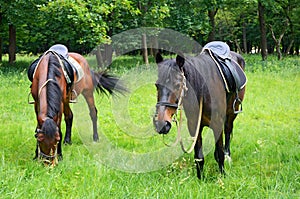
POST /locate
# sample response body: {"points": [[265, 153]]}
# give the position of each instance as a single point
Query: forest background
{"points": [[248, 26]]}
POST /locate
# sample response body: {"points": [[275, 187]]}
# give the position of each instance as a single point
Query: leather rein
{"points": [[179, 107]]}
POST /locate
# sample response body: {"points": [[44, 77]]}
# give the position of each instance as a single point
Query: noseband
{"points": [[167, 104], [183, 89]]}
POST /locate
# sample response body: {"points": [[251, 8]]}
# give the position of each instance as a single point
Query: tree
{"points": [[280, 23], [234, 22], [263, 31], [120, 15], [34, 25], [153, 14]]}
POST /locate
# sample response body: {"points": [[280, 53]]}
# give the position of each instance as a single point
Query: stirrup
{"points": [[29, 102], [240, 110], [73, 100]]}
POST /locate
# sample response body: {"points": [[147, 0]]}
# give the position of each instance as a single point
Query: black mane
{"points": [[54, 94]]}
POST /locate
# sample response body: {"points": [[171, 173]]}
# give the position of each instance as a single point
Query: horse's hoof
{"points": [[228, 159], [96, 138], [60, 157], [67, 142]]}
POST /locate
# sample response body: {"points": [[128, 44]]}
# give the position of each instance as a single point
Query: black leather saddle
{"points": [[62, 52], [232, 74]]}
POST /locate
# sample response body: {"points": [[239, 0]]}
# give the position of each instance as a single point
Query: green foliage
{"points": [[265, 145], [82, 25], [73, 19]]}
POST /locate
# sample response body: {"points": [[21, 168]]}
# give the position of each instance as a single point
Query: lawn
{"points": [[132, 161]]}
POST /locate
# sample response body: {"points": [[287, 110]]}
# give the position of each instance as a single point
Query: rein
{"points": [[197, 129], [44, 84], [179, 106]]}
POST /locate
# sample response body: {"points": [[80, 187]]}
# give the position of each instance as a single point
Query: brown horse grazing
{"points": [[197, 83], [56, 82]]}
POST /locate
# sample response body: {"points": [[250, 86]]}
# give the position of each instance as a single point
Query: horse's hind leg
{"points": [[93, 113], [228, 131], [198, 156], [69, 121], [219, 150]]}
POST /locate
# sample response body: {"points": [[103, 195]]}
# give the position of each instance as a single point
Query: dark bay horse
{"points": [[197, 83], [52, 89]]}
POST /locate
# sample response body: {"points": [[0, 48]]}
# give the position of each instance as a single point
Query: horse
{"points": [[196, 83], [56, 83]]}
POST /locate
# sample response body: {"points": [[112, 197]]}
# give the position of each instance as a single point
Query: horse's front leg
{"points": [[36, 153], [59, 150], [69, 121], [93, 114]]}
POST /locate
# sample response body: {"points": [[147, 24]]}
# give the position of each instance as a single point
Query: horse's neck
{"points": [[42, 90]]}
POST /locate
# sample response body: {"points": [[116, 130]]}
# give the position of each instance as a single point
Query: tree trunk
{"points": [[0, 39], [99, 57], [108, 50], [263, 31], [211, 16], [278, 41], [0, 49], [245, 38], [154, 46], [144, 49], [12, 44], [238, 46], [289, 49]]}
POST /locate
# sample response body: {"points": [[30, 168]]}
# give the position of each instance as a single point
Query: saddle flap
{"points": [[238, 72], [32, 68], [232, 74]]}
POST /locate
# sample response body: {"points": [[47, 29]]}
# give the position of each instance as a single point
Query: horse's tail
{"points": [[104, 82]]}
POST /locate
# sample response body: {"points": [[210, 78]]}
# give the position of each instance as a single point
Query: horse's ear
{"points": [[158, 58], [180, 61]]}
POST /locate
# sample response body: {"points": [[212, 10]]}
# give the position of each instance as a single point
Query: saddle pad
{"points": [[218, 47], [77, 67], [60, 49]]}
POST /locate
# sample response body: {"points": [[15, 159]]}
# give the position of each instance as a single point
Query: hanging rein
{"points": [[179, 107]]}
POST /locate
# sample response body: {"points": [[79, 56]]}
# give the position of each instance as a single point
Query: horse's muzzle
{"points": [[162, 127]]}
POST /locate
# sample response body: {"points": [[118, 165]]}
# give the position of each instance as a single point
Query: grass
{"points": [[131, 161]]}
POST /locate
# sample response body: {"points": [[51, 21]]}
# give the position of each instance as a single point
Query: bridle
{"points": [[44, 157], [183, 88], [178, 107], [41, 155]]}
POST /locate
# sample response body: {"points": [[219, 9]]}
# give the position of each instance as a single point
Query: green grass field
{"points": [[131, 161]]}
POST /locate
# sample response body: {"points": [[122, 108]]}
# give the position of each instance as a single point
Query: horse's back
{"points": [[80, 59]]}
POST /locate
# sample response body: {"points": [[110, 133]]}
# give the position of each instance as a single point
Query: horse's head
{"points": [[47, 139], [170, 85]]}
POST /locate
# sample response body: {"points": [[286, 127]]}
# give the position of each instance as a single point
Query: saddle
{"points": [[69, 65], [232, 74]]}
